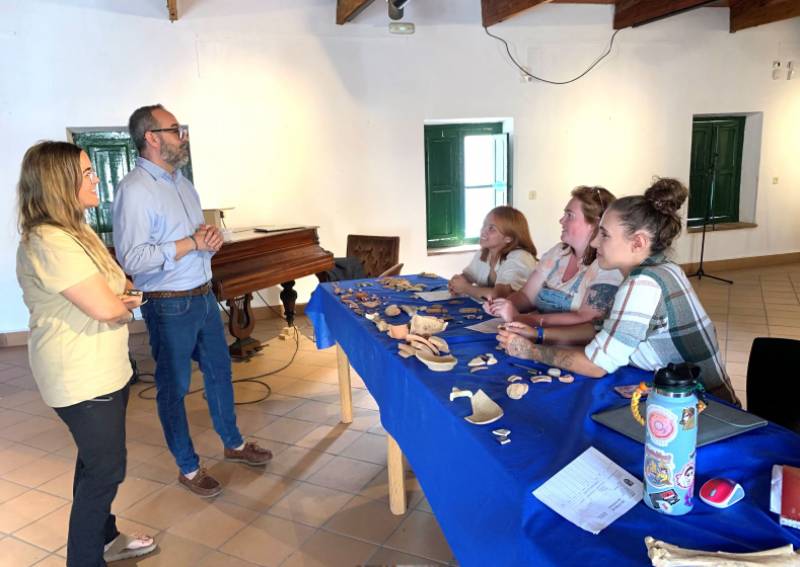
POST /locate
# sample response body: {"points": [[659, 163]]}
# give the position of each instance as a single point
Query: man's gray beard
{"points": [[177, 158]]}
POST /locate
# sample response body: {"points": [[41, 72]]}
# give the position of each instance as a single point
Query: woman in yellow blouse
{"points": [[78, 345]]}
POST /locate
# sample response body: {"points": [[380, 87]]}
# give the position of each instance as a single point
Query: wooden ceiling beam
{"points": [[629, 13], [346, 10], [749, 13], [495, 11], [172, 8]]}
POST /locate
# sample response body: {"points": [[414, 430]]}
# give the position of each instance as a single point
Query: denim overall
{"points": [[557, 301]]}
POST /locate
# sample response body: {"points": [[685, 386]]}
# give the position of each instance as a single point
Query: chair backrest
{"points": [[377, 253], [773, 385]]}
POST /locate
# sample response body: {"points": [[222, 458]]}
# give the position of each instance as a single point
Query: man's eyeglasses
{"points": [[181, 131]]}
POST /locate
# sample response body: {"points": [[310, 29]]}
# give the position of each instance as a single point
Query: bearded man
{"points": [[160, 240]]}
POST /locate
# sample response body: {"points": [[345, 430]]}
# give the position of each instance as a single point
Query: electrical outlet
{"points": [[531, 195], [776, 70], [774, 180]]}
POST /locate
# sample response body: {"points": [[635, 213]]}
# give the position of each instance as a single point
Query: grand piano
{"points": [[254, 260]]}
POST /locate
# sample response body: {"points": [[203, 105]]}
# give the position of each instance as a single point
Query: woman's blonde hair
{"points": [[513, 224], [49, 181]]}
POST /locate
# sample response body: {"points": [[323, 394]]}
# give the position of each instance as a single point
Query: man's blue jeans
{"points": [[182, 329]]}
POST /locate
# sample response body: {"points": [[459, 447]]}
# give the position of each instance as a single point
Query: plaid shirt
{"points": [[657, 319]]}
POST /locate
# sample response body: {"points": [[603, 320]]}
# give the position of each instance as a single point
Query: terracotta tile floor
{"points": [[323, 500]]}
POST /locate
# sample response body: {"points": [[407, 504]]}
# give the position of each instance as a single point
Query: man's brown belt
{"points": [[199, 290]]}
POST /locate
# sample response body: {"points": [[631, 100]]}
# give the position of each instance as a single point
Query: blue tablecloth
{"points": [[480, 491]]}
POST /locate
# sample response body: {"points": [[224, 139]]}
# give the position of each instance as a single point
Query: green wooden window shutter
{"points": [[716, 164], [443, 179], [113, 155], [446, 189]]}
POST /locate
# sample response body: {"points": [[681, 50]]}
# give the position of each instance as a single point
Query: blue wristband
{"points": [[539, 335]]}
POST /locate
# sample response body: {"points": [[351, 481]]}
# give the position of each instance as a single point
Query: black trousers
{"points": [[98, 428]]}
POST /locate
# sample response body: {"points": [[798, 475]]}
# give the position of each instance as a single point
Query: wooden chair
{"points": [[773, 391], [379, 255]]}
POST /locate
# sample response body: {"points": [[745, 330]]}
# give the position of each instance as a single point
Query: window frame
{"points": [[694, 222], [460, 131]]}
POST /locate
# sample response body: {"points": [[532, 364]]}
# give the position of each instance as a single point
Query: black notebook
{"points": [[717, 422]]}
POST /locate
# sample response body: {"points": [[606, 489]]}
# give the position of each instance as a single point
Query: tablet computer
{"points": [[718, 421]]}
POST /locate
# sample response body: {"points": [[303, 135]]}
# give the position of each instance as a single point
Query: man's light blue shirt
{"points": [[153, 209]]}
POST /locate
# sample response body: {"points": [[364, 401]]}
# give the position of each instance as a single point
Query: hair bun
{"points": [[666, 195]]}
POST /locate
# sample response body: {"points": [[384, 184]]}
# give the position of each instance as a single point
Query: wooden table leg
{"points": [[397, 477], [345, 390]]}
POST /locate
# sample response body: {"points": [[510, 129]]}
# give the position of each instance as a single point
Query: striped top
{"points": [[656, 319]]}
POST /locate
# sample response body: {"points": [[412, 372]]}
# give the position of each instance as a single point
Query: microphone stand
{"points": [[700, 273]]}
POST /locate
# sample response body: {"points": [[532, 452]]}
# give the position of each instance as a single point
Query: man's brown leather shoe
{"points": [[202, 484], [251, 454]]}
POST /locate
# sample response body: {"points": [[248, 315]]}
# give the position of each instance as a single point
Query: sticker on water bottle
{"points": [[658, 467], [685, 477], [665, 500], [661, 424], [688, 418]]}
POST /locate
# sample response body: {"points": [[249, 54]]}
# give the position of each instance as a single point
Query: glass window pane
{"points": [[477, 204], [478, 160]]}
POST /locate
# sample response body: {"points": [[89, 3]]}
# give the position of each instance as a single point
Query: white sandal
{"points": [[125, 547]]}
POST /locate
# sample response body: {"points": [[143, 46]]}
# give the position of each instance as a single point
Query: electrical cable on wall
{"points": [[532, 76]]}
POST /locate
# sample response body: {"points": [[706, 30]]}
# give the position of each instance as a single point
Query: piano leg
{"points": [[241, 324], [288, 297]]}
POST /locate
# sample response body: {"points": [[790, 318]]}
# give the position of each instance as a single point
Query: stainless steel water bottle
{"points": [[671, 439]]}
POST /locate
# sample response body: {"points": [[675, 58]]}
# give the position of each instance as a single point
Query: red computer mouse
{"points": [[721, 492]]}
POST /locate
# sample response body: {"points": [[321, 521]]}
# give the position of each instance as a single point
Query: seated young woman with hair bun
{"points": [[656, 317]]}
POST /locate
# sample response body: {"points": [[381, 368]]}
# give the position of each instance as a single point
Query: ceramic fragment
{"points": [[437, 363], [406, 350], [516, 390], [484, 409], [439, 343], [426, 326], [487, 359], [398, 331]]}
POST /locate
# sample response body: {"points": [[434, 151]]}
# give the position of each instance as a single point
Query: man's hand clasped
{"points": [[208, 238]]}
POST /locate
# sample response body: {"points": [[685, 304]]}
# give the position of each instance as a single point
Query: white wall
{"points": [[295, 119]]}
